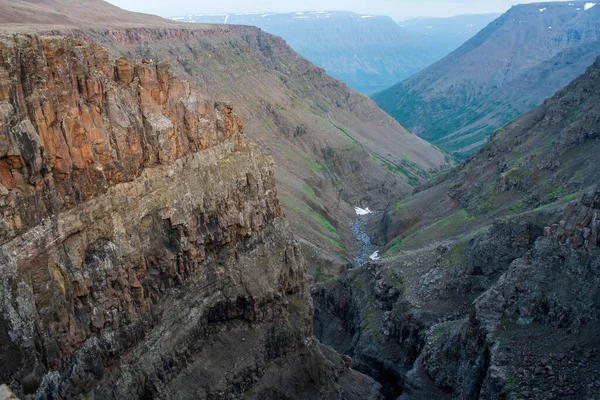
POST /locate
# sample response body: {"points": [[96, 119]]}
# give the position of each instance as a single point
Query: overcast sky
{"points": [[397, 9]]}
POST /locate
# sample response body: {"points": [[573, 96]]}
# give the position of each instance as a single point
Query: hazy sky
{"points": [[397, 9]]}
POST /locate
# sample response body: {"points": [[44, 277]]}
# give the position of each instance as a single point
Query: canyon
{"points": [[489, 285], [185, 228]]}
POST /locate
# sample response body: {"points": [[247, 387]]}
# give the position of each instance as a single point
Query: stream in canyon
{"points": [[364, 250]]}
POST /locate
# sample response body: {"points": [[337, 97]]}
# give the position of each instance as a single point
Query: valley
{"points": [[490, 273], [508, 68], [194, 210]]}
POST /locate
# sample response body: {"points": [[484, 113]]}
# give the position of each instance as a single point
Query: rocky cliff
{"points": [[142, 245], [489, 285], [508, 68]]}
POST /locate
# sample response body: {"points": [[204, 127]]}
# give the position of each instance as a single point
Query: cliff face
{"points": [[143, 251], [68, 130]]}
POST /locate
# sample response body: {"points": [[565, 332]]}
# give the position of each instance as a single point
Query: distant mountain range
{"points": [[369, 53], [441, 36], [508, 68]]}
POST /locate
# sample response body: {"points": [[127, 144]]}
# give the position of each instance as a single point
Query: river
{"points": [[364, 250]]}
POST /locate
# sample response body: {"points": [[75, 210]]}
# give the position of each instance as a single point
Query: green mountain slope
{"points": [[508, 68], [540, 160]]}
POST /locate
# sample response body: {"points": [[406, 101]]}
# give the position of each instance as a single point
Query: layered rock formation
{"points": [[334, 148], [143, 249]]}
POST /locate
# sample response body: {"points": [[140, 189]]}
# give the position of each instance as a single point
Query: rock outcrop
{"points": [[142, 245], [489, 284]]}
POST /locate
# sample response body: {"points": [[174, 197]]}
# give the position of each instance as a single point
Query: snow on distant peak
{"points": [[226, 18], [542, 9], [588, 6], [367, 16], [375, 256], [362, 211]]}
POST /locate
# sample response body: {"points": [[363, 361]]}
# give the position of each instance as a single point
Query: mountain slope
{"points": [[508, 68], [334, 148], [489, 285], [441, 36], [369, 53], [535, 161], [73, 12]]}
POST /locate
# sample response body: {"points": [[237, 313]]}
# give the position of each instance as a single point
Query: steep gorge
{"points": [[142, 247], [333, 147], [489, 285]]}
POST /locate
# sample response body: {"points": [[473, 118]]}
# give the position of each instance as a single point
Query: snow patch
{"points": [[362, 211], [375, 256], [300, 17], [549, 27], [542, 9], [588, 6], [367, 16], [226, 18]]}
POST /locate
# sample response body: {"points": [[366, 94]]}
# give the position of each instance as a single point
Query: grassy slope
{"points": [[543, 159]]}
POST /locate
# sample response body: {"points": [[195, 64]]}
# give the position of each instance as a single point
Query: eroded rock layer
{"points": [[143, 250]]}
